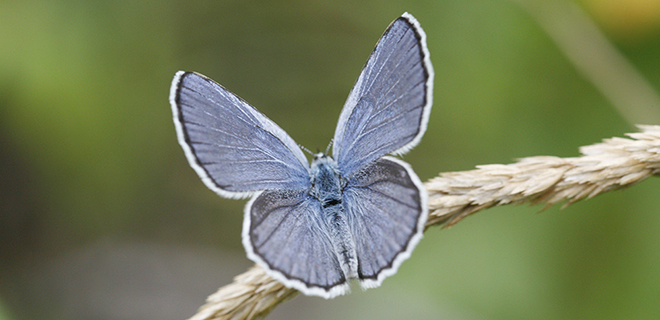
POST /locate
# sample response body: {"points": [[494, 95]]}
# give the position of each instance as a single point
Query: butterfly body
{"points": [[357, 214], [327, 188]]}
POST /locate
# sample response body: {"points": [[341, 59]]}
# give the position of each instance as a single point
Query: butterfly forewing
{"points": [[386, 204], [388, 108], [234, 148]]}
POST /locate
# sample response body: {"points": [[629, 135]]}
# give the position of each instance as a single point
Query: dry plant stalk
{"points": [[610, 165], [252, 296], [613, 164]]}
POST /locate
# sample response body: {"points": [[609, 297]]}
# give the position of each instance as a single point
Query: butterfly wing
{"points": [[234, 148], [284, 232], [387, 209], [388, 108]]}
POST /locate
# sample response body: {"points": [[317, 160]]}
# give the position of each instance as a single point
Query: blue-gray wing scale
{"points": [[387, 209], [234, 148], [388, 108], [284, 231]]}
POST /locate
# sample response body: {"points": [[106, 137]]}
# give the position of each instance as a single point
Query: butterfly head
{"points": [[323, 162], [319, 156]]}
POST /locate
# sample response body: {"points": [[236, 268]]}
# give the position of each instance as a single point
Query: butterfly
{"points": [[355, 215]]}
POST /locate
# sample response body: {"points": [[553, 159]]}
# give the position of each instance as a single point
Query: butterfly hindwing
{"points": [[388, 108], [285, 232], [387, 208], [234, 148]]}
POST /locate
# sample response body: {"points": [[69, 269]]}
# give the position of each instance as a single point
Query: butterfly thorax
{"points": [[327, 188], [326, 181]]}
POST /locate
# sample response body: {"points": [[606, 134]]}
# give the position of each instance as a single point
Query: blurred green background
{"points": [[102, 218]]}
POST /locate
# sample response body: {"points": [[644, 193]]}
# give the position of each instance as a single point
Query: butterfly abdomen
{"points": [[326, 187]]}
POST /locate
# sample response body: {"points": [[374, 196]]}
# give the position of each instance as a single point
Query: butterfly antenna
{"points": [[327, 149], [305, 149]]}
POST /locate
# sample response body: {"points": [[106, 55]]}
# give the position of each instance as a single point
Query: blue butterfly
{"points": [[355, 215]]}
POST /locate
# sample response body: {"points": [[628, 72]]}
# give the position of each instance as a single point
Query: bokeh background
{"points": [[102, 218]]}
